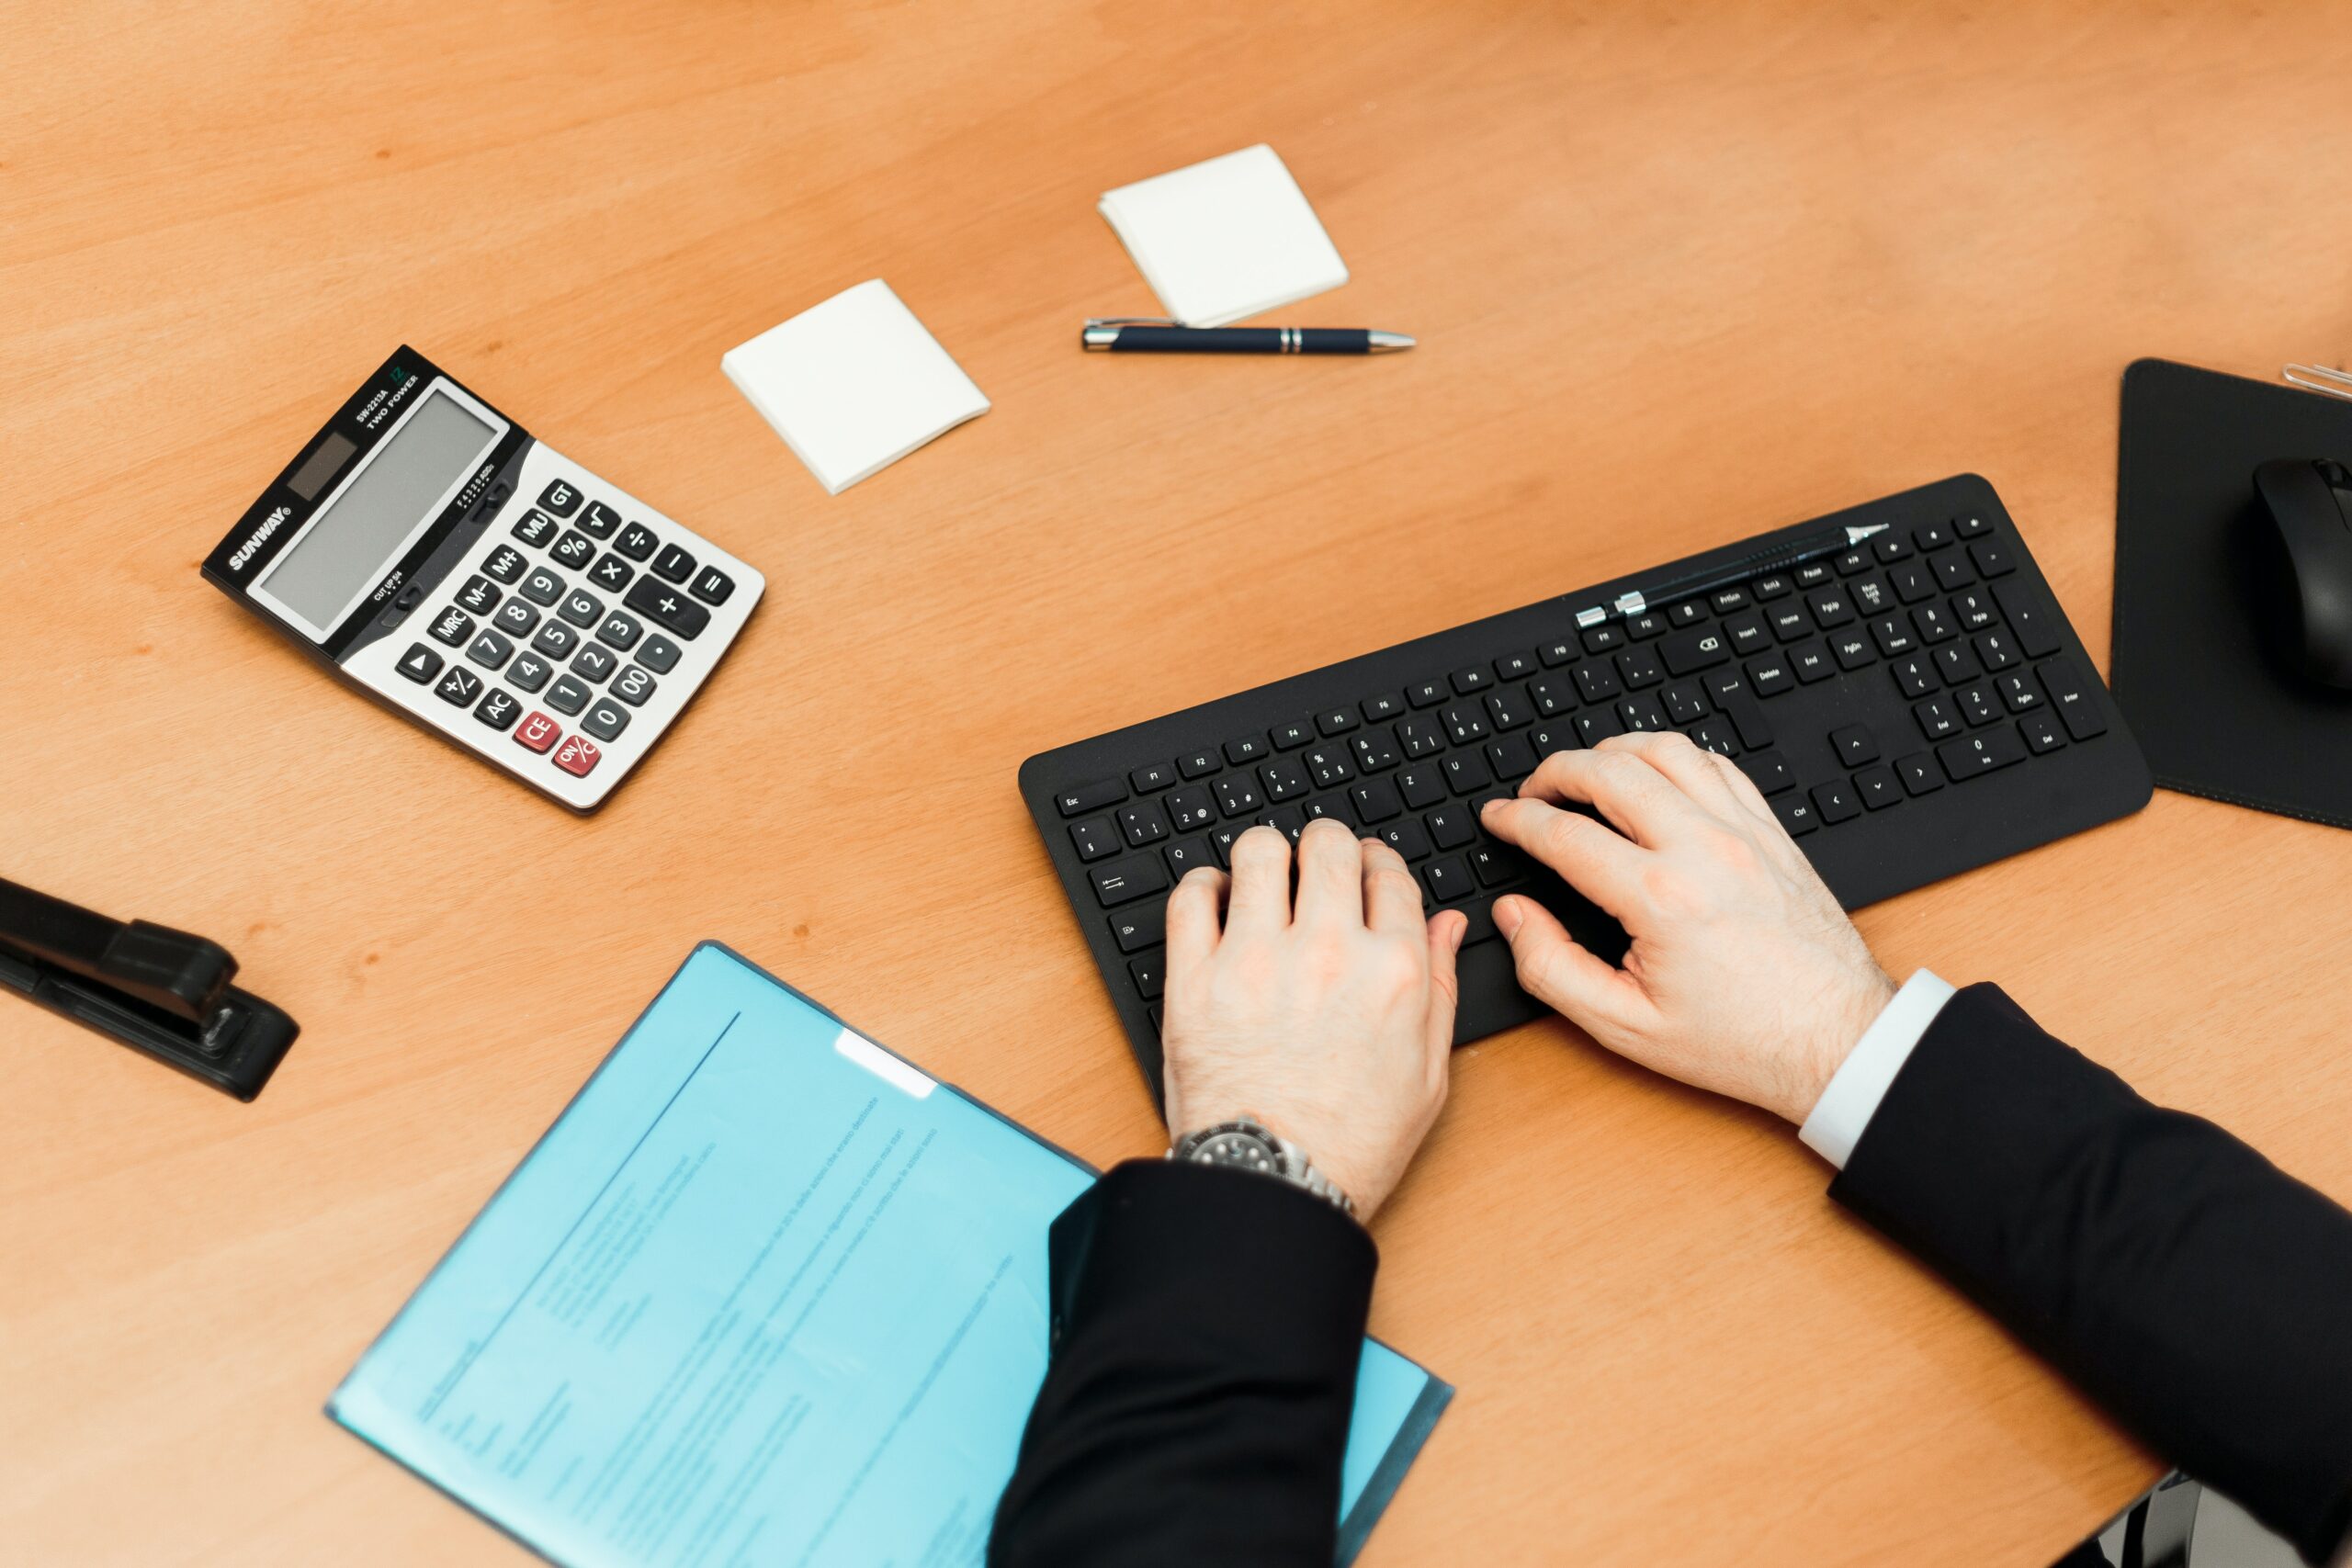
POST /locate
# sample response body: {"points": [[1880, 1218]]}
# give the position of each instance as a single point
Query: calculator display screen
{"points": [[349, 543]]}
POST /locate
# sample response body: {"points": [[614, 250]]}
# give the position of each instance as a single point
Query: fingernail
{"points": [[1461, 929], [1508, 918], [1489, 803]]}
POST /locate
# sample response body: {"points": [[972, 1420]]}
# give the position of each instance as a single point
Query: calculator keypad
{"points": [[513, 632]]}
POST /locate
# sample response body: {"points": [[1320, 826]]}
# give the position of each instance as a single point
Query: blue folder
{"points": [[764, 1293]]}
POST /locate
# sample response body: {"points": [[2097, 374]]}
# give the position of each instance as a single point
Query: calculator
{"points": [[430, 551]]}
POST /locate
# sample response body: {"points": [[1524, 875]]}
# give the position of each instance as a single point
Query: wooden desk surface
{"points": [[1677, 277]]}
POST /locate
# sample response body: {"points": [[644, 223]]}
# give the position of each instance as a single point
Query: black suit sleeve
{"points": [[1206, 1324], [2198, 1292]]}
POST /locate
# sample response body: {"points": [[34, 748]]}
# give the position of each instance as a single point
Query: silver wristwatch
{"points": [[1247, 1145]]}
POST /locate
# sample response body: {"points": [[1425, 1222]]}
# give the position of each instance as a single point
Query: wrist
{"points": [[1818, 1060], [1246, 1143]]}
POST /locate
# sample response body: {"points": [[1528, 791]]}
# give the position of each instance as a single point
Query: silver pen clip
{"points": [[2320, 379]]}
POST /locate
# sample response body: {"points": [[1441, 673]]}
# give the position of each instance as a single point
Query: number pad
{"points": [[515, 617], [594, 663], [498, 709], [459, 687], [480, 595], [711, 586], [636, 541], [598, 521], [582, 609], [568, 695], [658, 654], [633, 685], [453, 627], [604, 720], [574, 549], [506, 563], [621, 630], [556, 639], [612, 573], [490, 651], [542, 586], [530, 672], [672, 564]]}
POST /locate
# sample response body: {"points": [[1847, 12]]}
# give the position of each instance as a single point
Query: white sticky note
{"points": [[854, 384], [1225, 239]]}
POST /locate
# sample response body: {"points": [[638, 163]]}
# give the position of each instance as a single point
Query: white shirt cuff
{"points": [[1855, 1089]]}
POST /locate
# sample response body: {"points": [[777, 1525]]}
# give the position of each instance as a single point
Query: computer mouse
{"points": [[2306, 533]]}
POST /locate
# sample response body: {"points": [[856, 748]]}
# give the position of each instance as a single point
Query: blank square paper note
{"points": [[1225, 239], [854, 385]]}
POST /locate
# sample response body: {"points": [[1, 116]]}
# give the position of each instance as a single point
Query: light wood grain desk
{"points": [[1677, 277]]}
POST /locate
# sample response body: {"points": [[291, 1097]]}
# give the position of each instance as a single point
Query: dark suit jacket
{"points": [[1208, 1322]]}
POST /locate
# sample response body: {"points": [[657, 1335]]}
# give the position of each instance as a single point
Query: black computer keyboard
{"points": [[1910, 700]]}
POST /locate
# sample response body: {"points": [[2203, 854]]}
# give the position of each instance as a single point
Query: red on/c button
{"points": [[577, 755], [538, 733]]}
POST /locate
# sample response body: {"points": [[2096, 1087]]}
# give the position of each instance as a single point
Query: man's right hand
{"points": [[1743, 978]]}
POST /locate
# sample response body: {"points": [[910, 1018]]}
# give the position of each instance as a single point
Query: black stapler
{"points": [[155, 989]]}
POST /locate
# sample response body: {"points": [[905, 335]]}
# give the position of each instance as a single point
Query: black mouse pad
{"points": [[2217, 711]]}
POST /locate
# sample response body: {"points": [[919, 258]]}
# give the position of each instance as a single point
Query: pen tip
{"points": [[1389, 343]]}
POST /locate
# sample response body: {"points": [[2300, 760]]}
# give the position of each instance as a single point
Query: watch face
{"points": [[1245, 1149]]}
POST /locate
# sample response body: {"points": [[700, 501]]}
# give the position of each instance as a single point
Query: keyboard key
{"points": [[1687, 653], [1244, 749], [1918, 775], [1290, 737], [575, 549], [583, 610], [1994, 650], [2041, 732], [1497, 865], [1724, 600], [1473, 679], [636, 541], [598, 521], [480, 595], [1188, 856], [1956, 662], [1892, 635], [1714, 735], [1872, 596], [1142, 823], [1192, 808], [666, 608], [1376, 801], [1831, 607], [611, 573], [1558, 651], [1420, 736], [453, 627], [2017, 693], [1890, 547], [530, 672], [1974, 610], [1465, 724], [1147, 976], [1878, 788], [605, 719], [1776, 586], [2035, 628], [540, 586], [1514, 667], [1977, 705], [1639, 666], [1511, 758], [1755, 730], [459, 687], [1852, 561], [592, 663], [1971, 527], [1197, 765], [1972, 755], [1330, 766], [559, 498], [1813, 574], [1767, 771], [538, 733], [577, 756], [1093, 838], [1598, 682], [1374, 750], [568, 695], [1426, 693], [1282, 781], [420, 663], [1648, 624], [1790, 621], [710, 585], [1689, 613], [2076, 703], [555, 641], [1914, 676], [1451, 826], [1852, 648], [1837, 801], [515, 617], [1124, 881], [1407, 839], [504, 564], [1506, 709], [1812, 662], [1952, 570], [1912, 581], [1991, 557], [1546, 738], [1551, 694], [1854, 745], [633, 685], [1386, 707], [1157, 775], [1601, 638], [1748, 634], [1595, 725], [673, 563], [1796, 814], [1642, 715], [1334, 807], [535, 529], [1937, 718], [1335, 721], [1466, 773], [620, 630], [1420, 787], [490, 651], [1934, 624], [1771, 677], [1449, 879], [1087, 798], [498, 709], [1932, 536], [1684, 702], [1142, 929], [1237, 796]]}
